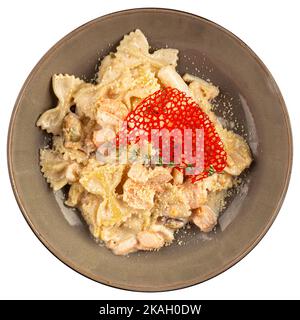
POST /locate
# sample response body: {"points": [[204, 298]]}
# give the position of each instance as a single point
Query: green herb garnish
{"points": [[211, 170]]}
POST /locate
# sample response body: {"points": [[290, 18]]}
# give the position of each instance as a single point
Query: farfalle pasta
{"points": [[64, 87], [134, 205]]}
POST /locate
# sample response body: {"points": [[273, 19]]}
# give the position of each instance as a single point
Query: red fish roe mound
{"points": [[173, 110]]}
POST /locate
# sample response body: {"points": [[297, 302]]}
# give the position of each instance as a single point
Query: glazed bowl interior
{"points": [[256, 105]]}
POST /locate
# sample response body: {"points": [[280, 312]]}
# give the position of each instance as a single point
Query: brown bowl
{"points": [[257, 105]]}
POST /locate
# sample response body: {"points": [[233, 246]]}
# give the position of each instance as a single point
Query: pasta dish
{"points": [[140, 151]]}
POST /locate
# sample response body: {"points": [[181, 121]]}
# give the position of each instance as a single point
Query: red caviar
{"points": [[172, 109]]}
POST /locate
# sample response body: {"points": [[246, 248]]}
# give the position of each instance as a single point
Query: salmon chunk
{"points": [[204, 218]]}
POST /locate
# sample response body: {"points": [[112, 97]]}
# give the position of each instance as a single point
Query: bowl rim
{"points": [[182, 284]]}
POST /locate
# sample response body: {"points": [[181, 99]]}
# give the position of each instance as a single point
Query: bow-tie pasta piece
{"points": [[64, 87]]}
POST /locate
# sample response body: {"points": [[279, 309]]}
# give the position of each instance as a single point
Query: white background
{"points": [[28, 29]]}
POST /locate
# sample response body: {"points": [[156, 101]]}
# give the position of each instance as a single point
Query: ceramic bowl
{"points": [[208, 50]]}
